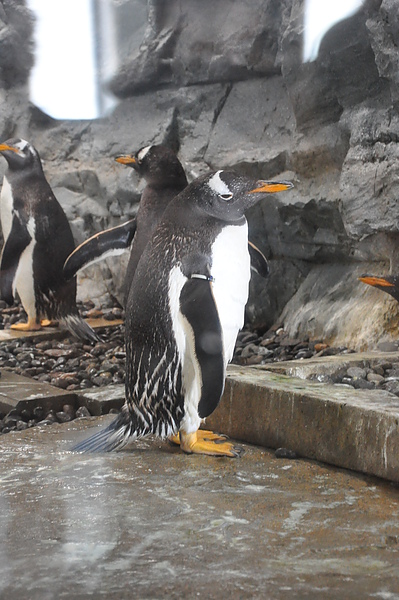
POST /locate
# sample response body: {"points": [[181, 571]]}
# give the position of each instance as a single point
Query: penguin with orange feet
{"points": [[183, 315], [37, 240]]}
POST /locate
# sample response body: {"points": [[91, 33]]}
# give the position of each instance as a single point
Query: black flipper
{"points": [[197, 304], [258, 261], [106, 243], [16, 243]]}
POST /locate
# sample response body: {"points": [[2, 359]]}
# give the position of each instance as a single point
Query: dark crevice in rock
{"points": [[221, 103]]}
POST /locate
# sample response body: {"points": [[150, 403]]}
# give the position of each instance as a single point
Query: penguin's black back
{"points": [[165, 178]]}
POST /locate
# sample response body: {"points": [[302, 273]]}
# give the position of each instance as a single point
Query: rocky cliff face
{"points": [[224, 82]]}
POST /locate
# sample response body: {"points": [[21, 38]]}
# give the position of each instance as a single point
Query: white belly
{"points": [[23, 281], [231, 269], [6, 205]]}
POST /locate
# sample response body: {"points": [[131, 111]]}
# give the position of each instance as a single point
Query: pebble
{"points": [[363, 384], [357, 373], [375, 377], [391, 386], [63, 417], [249, 350], [285, 453], [82, 412]]}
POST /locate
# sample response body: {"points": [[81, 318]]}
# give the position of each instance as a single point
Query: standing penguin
{"points": [[37, 240], [165, 179], [183, 315]]}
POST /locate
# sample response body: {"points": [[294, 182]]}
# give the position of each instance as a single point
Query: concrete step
{"points": [[22, 393], [355, 429]]}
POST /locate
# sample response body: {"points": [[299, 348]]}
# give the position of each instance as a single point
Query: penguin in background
{"points": [[165, 178], [388, 284], [37, 240], [183, 315]]}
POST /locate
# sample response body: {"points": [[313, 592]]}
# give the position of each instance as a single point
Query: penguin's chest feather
{"points": [[231, 270]]}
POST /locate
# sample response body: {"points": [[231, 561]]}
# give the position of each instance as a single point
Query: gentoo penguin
{"points": [[37, 240], [183, 314], [388, 284], [165, 178]]}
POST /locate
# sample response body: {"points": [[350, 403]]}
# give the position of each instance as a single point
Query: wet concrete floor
{"points": [[151, 522]]}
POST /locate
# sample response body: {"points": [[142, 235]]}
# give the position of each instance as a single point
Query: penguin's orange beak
{"points": [[126, 159], [371, 280], [4, 147], [270, 187]]}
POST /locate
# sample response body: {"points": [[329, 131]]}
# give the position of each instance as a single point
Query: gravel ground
{"points": [[76, 366], [68, 364]]}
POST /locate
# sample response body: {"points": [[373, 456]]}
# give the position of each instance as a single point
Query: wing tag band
{"points": [[205, 277]]}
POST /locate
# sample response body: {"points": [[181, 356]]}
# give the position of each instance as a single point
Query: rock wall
{"points": [[225, 84]]}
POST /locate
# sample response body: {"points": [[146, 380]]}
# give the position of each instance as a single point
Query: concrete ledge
{"points": [[22, 393], [355, 429], [99, 401]]}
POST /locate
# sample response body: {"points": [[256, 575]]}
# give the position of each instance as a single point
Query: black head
{"points": [[20, 154], [159, 166], [226, 195], [388, 284]]}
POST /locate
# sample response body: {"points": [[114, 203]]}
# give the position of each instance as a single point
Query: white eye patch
{"points": [[218, 185], [21, 145], [143, 152]]}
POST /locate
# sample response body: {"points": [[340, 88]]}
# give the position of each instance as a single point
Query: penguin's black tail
{"points": [[79, 328], [114, 437]]}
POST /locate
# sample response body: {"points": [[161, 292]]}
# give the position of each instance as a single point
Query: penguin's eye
{"points": [[226, 196]]}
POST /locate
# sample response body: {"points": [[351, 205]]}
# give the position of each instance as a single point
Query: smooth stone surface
{"points": [[99, 401], [24, 393], [152, 523]]}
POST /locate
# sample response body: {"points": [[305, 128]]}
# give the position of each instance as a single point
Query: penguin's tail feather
{"points": [[114, 437], [79, 328]]}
